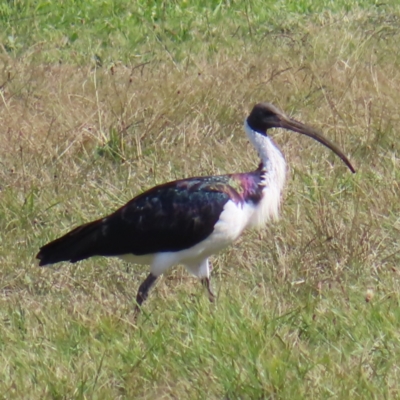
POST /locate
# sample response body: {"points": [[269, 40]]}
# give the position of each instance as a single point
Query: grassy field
{"points": [[101, 100]]}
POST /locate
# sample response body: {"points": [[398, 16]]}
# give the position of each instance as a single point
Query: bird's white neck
{"points": [[273, 161], [273, 178]]}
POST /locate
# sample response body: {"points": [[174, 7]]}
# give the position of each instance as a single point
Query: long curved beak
{"points": [[293, 125]]}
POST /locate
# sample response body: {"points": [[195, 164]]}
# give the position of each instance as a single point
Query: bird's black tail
{"points": [[82, 242]]}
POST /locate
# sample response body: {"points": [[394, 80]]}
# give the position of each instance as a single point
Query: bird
{"points": [[187, 220]]}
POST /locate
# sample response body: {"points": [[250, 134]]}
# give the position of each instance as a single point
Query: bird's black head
{"points": [[264, 116]]}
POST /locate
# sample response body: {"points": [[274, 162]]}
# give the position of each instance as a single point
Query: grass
{"points": [[308, 307]]}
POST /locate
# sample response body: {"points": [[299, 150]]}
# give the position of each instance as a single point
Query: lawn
{"points": [[100, 100]]}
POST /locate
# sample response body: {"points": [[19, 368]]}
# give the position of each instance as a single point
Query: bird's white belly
{"points": [[230, 225], [232, 221]]}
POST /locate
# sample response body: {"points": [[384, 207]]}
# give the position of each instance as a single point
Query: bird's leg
{"points": [[143, 291], [202, 271], [206, 268], [206, 283]]}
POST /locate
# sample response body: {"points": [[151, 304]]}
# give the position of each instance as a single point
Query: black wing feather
{"points": [[170, 217], [166, 218]]}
